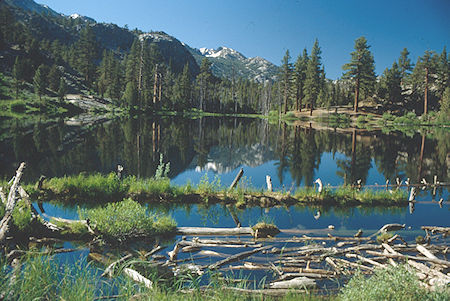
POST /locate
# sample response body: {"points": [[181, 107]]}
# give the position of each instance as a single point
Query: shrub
{"points": [[127, 219], [390, 284]]}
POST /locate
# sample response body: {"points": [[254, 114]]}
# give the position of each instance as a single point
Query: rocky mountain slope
{"points": [[227, 62], [46, 24]]}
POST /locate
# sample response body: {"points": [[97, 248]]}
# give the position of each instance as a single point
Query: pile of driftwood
{"points": [[296, 268]]}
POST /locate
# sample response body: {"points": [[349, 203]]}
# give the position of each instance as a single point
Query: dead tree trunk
{"points": [[10, 204]]}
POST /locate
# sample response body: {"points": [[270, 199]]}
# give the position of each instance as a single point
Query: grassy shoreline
{"points": [[98, 189]]}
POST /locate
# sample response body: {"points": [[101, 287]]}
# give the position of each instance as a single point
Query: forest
{"points": [[138, 78]]}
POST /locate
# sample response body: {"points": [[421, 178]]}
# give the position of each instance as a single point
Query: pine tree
{"points": [[404, 65], [361, 69], [390, 85], [313, 76], [18, 74], [423, 76], [443, 73], [39, 81], [203, 80], [54, 77], [130, 95], [286, 75], [86, 51], [299, 78], [62, 89]]}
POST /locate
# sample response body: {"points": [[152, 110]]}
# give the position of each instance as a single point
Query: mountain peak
{"points": [[222, 52]]}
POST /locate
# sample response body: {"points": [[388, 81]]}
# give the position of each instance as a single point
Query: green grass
{"points": [[128, 219], [45, 278], [390, 284], [347, 195], [97, 189], [89, 188]]}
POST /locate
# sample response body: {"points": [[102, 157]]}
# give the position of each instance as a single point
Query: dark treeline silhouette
{"points": [[56, 149]]}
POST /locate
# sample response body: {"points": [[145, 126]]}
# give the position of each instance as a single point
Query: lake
{"points": [[215, 148]]}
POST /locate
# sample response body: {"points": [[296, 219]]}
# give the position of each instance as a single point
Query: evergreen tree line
{"points": [[139, 78], [404, 87]]}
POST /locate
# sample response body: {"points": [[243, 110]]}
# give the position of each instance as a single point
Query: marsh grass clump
{"points": [[265, 227], [395, 284], [41, 278], [384, 237], [89, 188], [128, 219]]}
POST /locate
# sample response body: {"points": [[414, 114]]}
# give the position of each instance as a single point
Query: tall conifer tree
{"points": [[361, 69]]}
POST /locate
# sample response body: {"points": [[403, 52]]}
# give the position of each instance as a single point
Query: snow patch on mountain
{"points": [[224, 59]]}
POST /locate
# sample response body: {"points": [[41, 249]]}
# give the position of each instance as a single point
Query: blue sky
{"points": [[267, 28]]}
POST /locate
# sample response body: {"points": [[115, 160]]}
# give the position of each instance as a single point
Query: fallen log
{"points": [[205, 245], [436, 261], [432, 229], [138, 277], [425, 252], [235, 257], [10, 204], [367, 260], [431, 272], [110, 269], [251, 292], [214, 231], [299, 282]]}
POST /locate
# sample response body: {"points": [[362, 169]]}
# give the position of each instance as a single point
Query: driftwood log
{"points": [[10, 204]]}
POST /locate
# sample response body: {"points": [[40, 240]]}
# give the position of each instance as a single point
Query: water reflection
{"points": [[292, 155]]}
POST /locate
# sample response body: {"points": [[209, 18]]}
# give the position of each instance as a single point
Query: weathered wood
{"points": [[205, 245], [432, 229], [299, 282], [364, 259], [2, 196], [236, 257], [17, 253], [238, 177], [155, 249], [427, 270], [10, 204], [269, 183], [138, 277], [333, 264], [425, 252], [436, 261], [353, 264], [174, 253], [214, 231], [251, 292], [110, 269]]}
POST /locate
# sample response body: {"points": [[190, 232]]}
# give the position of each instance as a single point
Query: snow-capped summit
{"points": [[223, 52], [227, 62]]}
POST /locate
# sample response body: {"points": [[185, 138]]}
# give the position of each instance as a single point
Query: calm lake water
{"points": [[216, 148]]}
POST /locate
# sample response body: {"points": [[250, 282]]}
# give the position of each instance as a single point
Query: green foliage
{"points": [[18, 106], [21, 216], [361, 68], [70, 283], [390, 284], [206, 187], [384, 237], [314, 76], [162, 170], [90, 188], [127, 219]]}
